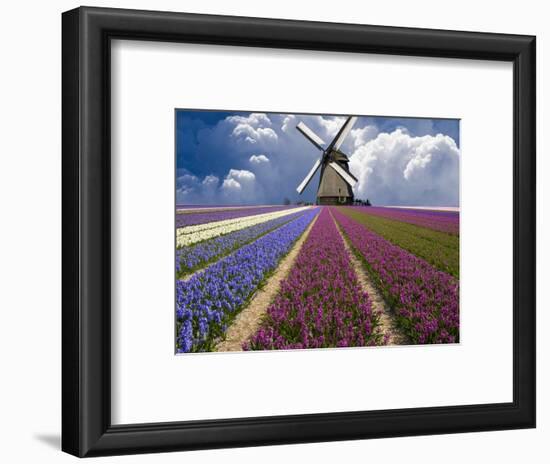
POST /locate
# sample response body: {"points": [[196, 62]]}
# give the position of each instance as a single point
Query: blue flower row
{"points": [[211, 298], [196, 256]]}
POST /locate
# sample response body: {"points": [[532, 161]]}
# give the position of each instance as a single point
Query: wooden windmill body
{"points": [[335, 181]]}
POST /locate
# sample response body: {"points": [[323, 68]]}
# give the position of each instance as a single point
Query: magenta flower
{"points": [[320, 304], [424, 299]]}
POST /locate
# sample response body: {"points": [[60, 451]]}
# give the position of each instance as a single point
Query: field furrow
{"points": [[320, 304], [388, 323]]}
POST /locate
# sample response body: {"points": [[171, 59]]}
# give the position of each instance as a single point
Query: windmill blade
{"points": [[309, 176], [345, 175], [344, 131], [312, 136]]}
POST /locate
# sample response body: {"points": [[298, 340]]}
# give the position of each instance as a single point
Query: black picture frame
{"points": [[86, 249]]}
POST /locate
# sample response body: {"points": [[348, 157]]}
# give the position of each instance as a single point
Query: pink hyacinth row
{"points": [[425, 300], [320, 304]]}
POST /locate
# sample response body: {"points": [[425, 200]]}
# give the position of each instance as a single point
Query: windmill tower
{"points": [[336, 181]]}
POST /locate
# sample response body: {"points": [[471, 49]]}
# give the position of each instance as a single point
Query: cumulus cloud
{"points": [[288, 123], [210, 181], [331, 125], [360, 136], [231, 185], [239, 186], [252, 128], [258, 159], [191, 189], [186, 183], [253, 119], [399, 169], [240, 176]]}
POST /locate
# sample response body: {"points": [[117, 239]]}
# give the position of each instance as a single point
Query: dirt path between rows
{"points": [[387, 319], [248, 320]]}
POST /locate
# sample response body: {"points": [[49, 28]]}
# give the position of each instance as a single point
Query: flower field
{"points": [[320, 304], [442, 221], [440, 249], [425, 299], [198, 255], [273, 278], [206, 303], [190, 235], [191, 218]]}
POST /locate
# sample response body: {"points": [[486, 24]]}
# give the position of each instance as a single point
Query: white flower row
{"points": [[215, 224], [193, 234]]}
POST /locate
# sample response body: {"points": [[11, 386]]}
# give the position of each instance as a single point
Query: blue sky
{"points": [[228, 157]]}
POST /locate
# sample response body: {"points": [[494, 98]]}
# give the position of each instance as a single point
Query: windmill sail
{"points": [[308, 178], [347, 177], [311, 136], [343, 133]]}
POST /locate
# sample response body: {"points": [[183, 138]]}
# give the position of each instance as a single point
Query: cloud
{"points": [[399, 169], [362, 136], [210, 181], [253, 119], [258, 159], [241, 175], [288, 123], [231, 185], [252, 128], [331, 124], [239, 186], [192, 190]]}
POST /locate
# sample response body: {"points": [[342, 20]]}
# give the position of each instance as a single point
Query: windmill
{"points": [[336, 181]]}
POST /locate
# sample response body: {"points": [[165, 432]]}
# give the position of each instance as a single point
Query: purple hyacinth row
{"points": [[192, 219], [207, 302], [425, 300], [320, 304], [196, 256], [443, 221], [418, 212]]}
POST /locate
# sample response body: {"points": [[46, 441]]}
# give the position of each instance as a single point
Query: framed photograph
{"points": [[268, 260], [286, 231]]}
